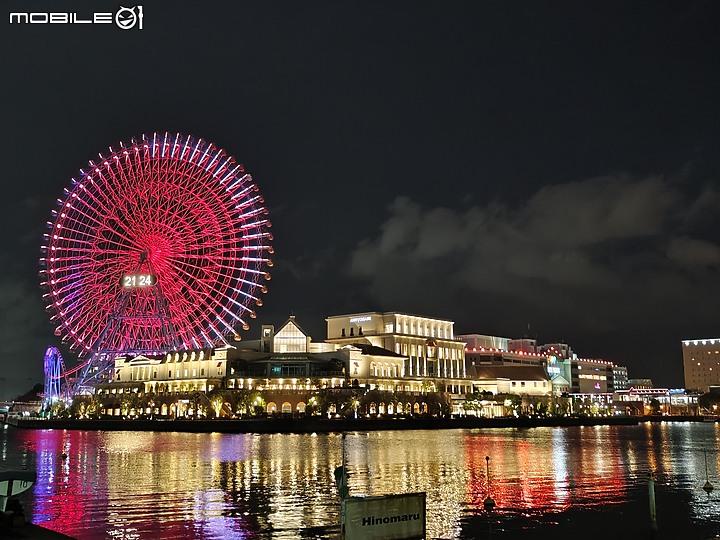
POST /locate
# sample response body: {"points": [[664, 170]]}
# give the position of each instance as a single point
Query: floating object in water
{"points": [[708, 487], [488, 503]]}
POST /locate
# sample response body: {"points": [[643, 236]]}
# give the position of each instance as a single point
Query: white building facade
{"points": [[432, 353]]}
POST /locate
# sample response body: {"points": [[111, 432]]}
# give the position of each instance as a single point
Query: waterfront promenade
{"points": [[323, 425]]}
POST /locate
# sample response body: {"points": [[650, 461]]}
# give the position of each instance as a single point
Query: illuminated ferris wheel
{"points": [[159, 245]]}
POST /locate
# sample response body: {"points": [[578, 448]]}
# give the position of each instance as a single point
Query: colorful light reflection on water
{"points": [[545, 481]]}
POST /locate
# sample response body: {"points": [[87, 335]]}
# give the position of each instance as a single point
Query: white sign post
{"points": [[388, 517]]}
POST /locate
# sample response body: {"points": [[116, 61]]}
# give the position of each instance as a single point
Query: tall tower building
{"points": [[701, 363]]}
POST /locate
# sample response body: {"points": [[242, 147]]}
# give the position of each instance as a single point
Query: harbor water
{"points": [[565, 482]]}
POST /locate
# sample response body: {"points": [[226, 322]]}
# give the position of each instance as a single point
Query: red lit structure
{"points": [[159, 245]]}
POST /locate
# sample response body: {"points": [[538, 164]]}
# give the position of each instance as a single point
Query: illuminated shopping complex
{"points": [[373, 363], [155, 260]]}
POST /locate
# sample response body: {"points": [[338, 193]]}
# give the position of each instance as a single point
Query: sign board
{"points": [[388, 517]]}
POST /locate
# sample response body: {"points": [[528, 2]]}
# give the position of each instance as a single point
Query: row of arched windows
{"points": [[385, 370]]}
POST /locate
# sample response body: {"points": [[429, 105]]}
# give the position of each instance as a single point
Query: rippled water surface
{"points": [[546, 482]]}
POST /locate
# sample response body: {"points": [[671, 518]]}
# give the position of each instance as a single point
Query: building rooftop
{"points": [[383, 313]]}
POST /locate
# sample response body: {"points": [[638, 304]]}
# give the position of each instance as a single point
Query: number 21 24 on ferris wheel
{"points": [[138, 280]]}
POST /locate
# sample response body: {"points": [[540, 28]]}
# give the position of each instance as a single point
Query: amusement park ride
{"points": [[159, 246]]}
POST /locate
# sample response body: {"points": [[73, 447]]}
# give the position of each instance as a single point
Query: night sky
{"points": [[540, 169]]}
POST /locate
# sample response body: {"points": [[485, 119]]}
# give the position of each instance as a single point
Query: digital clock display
{"points": [[138, 280]]}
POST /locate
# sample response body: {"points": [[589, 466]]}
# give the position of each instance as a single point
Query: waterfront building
{"points": [[482, 350], [506, 390], [173, 380], [656, 401], [181, 371], [560, 372], [288, 367], [591, 376], [497, 351], [527, 380], [372, 352], [284, 369], [560, 358], [432, 353], [591, 385], [499, 357], [701, 363]]}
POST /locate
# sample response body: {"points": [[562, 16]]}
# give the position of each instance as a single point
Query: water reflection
{"points": [[545, 481]]}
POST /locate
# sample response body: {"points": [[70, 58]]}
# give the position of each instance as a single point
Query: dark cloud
{"points": [[594, 256]]}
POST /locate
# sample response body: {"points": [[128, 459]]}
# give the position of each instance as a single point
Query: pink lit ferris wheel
{"points": [[159, 245]]}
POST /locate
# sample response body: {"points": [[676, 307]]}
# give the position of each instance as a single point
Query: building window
{"points": [[202, 372]]}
